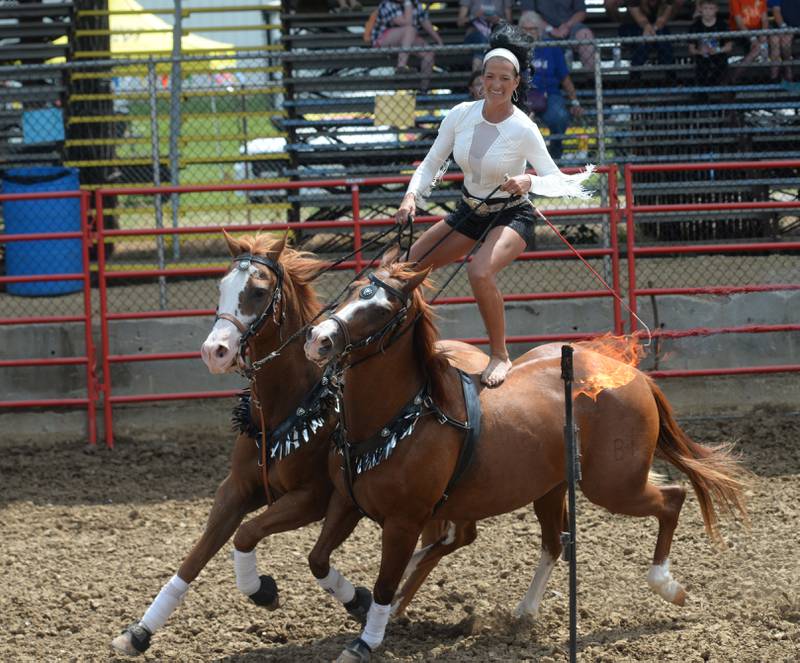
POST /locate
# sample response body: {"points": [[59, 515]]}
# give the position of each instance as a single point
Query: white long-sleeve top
{"points": [[487, 151]]}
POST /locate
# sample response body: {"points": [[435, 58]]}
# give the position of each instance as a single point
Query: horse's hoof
{"points": [[357, 651], [680, 597], [133, 641], [358, 607], [267, 594]]}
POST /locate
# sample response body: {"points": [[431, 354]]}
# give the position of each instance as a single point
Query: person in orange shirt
{"points": [[750, 15]]}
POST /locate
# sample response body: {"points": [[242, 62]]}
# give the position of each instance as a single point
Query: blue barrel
{"points": [[51, 256]]}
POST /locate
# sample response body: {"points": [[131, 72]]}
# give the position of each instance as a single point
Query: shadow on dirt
{"points": [[148, 471]]}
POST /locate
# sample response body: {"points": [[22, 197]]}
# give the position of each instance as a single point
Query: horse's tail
{"points": [[718, 479]]}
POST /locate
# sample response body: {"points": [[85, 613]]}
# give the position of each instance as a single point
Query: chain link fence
{"points": [[269, 116]]}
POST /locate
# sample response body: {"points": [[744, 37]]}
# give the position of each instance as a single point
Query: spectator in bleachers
{"points": [[650, 18], [479, 17], [475, 85], [550, 76], [611, 8], [347, 6], [400, 23], [710, 53], [750, 15], [786, 13], [565, 21]]}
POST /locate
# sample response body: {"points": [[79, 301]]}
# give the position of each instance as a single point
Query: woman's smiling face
{"points": [[500, 79]]}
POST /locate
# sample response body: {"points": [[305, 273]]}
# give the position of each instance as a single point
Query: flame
{"points": [[611, 363]]}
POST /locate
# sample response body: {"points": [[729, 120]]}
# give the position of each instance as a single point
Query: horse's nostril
{"points": [[326, 343], [221, 351]]}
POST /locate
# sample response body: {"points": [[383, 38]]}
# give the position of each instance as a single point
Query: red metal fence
{"points": [[631, 211], [610, 252], [40, 272]]}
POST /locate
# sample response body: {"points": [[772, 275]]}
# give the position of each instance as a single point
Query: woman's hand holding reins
{"points": [[518, 185], [406, 209]]}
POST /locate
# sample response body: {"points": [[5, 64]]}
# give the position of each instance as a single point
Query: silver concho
{"points": [[244, 265], [368, 291]]}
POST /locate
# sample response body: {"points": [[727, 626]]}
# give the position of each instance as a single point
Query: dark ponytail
{"points": [[520, 44]]}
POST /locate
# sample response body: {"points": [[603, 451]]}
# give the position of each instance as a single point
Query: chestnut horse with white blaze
{"points": [[266, 294], [384, 337]]}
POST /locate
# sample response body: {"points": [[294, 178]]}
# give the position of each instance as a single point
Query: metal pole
{"points": [[601, 150], [573, 471], [175, 119], [151, 86]]}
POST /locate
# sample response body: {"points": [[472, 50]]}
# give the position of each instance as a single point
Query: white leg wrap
{"points": [[164, 604], [244, 564], [662, 583], [377, 618], [529, 605], [337, 586]]}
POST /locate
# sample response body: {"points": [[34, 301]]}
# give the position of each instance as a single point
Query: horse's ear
{"points": [[390, 257], [278, 247], [416, 279], [233, 246]]}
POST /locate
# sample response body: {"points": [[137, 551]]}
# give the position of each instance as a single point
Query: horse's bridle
{"points": [[248, 332], [388, 330]]}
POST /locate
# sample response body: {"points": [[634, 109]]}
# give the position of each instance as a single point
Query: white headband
{"points": [[502, 53]]}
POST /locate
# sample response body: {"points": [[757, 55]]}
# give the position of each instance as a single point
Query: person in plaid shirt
{"points": [[400, 23]]}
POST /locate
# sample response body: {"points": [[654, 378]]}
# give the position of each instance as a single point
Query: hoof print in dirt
{"points": [[357, 651], [267, 594], [133, 641], [358, 607]]}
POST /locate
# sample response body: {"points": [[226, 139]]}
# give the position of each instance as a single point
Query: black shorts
{"points": [[519, 218]]}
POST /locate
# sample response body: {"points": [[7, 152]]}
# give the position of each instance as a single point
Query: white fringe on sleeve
{"points": [[561, 185]]}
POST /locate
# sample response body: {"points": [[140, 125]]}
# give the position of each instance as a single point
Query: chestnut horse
{"points": [[384, 336], [264, 278]]}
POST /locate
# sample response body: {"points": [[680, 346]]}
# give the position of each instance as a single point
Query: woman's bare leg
{"points": [[454, 245], [502, 246]]}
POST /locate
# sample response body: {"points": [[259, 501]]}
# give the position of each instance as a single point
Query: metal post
{"points": [[601, 150], [152, 83], [175, 119], [573, 471], [598, 100]]}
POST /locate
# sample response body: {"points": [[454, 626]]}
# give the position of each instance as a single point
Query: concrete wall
{"points": [[690, 396]]}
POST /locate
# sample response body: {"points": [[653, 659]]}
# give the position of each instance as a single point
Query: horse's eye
{"points": [[260, 293]]}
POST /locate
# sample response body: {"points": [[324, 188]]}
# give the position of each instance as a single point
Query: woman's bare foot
{"points": [[495, 372]]}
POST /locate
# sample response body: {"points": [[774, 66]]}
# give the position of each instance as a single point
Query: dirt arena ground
{"points": [[88, 540]]}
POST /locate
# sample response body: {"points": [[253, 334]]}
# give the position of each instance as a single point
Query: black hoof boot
{"points": [[267, 594], [357, 651], [134, 640], [358, 607]]}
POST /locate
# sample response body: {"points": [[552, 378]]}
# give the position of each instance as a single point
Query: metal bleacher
{"points": [[28, 32], [663, 117]]}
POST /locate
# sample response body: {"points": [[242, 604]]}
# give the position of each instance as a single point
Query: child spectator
{"points": [[750, 15], [480, 17], [786, 14], [564, 20], [399, 23], [710, 53], [475, 85], [550, 76]]}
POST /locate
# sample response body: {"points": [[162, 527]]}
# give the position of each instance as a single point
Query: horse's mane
{"points": [[300, 268], [433, 362]]}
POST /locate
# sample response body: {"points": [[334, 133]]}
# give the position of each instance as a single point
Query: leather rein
{"points": [[247, 345]]}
